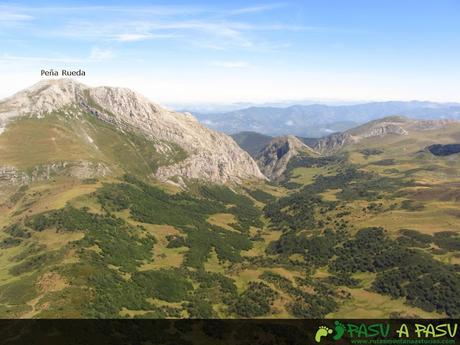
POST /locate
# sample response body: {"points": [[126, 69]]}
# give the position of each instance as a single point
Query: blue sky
{"points": [[216, 51]]}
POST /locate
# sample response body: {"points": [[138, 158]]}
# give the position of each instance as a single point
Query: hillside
{"points": [[251, 142], [364, 230], [393, 126]]}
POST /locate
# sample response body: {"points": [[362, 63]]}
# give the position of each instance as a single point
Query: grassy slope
{"points": [[435, 175], [40, 292], [438, 191], [30, 142]]}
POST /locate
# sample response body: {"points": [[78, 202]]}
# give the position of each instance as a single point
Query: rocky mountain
{"points": [[318, 120], [255, 143], [274, 158], [72, 124], [393, 125]]}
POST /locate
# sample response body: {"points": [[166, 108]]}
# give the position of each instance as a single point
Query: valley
{"points": [[163, 218]]}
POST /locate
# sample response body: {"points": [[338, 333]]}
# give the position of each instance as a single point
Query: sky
{"points": [[239, 51]]}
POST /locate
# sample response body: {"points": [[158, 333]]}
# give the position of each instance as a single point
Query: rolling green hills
{"points": [[370, 230]]}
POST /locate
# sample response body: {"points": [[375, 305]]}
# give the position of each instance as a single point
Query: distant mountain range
{"points": [[273, 154], [318, 120]]}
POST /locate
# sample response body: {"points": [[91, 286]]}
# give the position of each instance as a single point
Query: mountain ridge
{"points": [[391, 125], [317, 120], [210, 155], [274, 158]]}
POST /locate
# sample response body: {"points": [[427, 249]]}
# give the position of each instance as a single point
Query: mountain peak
{"points": [[291, 140], [44, 97], [274, 158], [60, 82], [210, 155], [53, 88]]}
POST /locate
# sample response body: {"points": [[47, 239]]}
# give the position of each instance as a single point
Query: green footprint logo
{"points": [[322, 332], [339, 330]]}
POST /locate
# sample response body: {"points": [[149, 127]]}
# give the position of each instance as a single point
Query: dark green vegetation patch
{"points": [[114, 273], [444, 150]]}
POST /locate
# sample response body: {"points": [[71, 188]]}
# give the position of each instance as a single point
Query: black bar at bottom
{"points": [[231, 332]]}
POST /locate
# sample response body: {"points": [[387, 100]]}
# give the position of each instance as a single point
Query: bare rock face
{"points": [[333, 142], [83, 170], [379, 128], [42, 98], [382, 130], [274, 158], [10, 175], [212, 155]]}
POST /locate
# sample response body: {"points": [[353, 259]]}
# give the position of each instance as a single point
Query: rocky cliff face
{"points": [[333, 142], [211, 155], [274, 158]]}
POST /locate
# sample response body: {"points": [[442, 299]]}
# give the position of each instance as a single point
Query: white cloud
{"points": [[208, 122], [6, 58], [14, 17], [132, 37], [203, 31], [231, 64], [255, 9], [98, 54], [289, 123], [95, 55]]}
